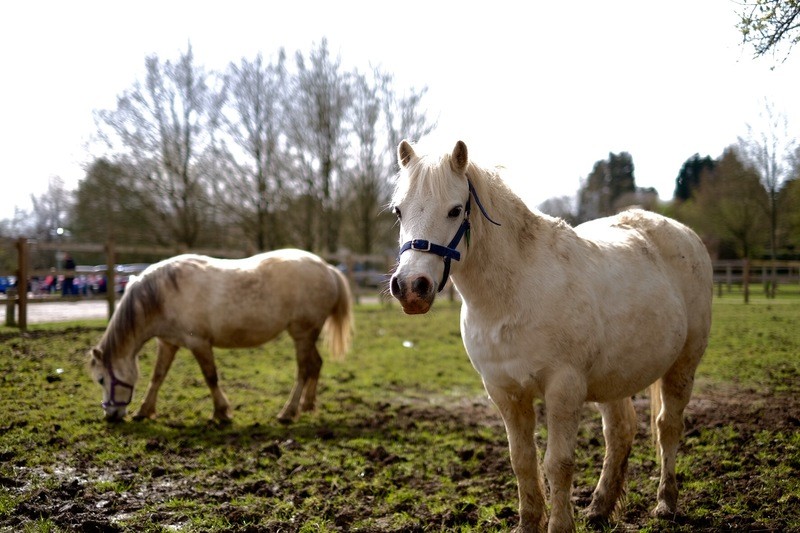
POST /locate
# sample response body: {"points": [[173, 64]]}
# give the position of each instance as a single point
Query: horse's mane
{"points": [[507, 208], [143, 299], [500, 201], [429, 166]]}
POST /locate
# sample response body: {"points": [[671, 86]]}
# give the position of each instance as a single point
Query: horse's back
{"points": [[245, 302], [663, 244]]}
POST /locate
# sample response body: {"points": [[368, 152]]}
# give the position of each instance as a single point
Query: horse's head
{"points": [[117, 381], [432, 203]]}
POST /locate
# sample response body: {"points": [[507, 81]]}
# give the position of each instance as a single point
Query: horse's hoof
{"points": [[664, 511], [595, 516], [595, 520], [532, 525], [285, 420]]}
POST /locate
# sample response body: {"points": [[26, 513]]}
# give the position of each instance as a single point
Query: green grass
{"points": [[403, 438], [754, 346]]}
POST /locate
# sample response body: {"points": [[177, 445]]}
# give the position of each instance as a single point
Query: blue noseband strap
{"points": [[449, 252]]}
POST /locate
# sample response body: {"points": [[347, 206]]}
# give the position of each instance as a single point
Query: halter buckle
{"points": [[449, 252], [421, 245]]}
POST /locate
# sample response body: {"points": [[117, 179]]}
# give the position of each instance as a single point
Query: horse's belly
{"points": [[635, 362], [614, 360], [245, 334]]}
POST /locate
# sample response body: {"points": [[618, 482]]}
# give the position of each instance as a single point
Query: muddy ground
{"points": [[71, 503]]}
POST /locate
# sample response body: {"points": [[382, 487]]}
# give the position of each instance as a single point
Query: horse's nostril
{"points": [[421, 286], [395, 287]]}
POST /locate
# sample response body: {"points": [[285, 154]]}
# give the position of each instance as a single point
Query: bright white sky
{"points": [[545, 90]]}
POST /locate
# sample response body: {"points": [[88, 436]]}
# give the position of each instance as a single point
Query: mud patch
{"points": [[258, 491]]}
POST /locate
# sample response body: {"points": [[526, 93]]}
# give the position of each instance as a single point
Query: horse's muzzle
{"points": [[415, 294], [115, 414]]}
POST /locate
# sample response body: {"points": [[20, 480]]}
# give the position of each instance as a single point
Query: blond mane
{"points": [[142, 301]]}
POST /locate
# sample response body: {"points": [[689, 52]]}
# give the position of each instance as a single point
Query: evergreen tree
{"points": [[690, 175]]}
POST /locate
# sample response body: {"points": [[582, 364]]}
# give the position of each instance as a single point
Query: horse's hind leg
{"points": [[222, 407], [619, 429], [309, 364], [164, 358], [676, 390]]}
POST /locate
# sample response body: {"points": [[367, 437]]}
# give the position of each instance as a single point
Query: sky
{"points": [[545, 91]]}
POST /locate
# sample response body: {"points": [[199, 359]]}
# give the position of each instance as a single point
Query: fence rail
{"points": [[19, 297], [728, 275], [741, 273]]}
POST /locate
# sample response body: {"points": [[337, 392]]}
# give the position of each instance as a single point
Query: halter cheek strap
{"points": [[112, 402], [449, 252]]}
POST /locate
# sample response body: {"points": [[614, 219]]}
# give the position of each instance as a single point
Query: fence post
{"points": [[728, 277], [11, 302], [22, 282], [746, 280], [349, 264], [111, 271]]}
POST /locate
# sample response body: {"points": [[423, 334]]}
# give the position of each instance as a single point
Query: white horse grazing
{"points": [[569, 315], [200, 302]]}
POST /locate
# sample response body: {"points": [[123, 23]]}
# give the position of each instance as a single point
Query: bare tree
{"points": [[379, 121], [318, 109], [366, 182], [257, 92], [51, 210], [770, 150], [405, 118], [161, 127], [765, 24]]}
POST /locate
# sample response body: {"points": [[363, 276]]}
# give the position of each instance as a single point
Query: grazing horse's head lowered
{"points": [[112, 363], [117, 392]]}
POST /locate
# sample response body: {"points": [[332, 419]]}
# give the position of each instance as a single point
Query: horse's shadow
{"points": [[384, 421]]}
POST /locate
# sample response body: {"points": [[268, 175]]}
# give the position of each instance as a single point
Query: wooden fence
{"points": [[728, 275], [741, 274], [19, 297]]}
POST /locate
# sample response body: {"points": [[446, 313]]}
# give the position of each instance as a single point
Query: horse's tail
{"points": [[655, 408], [339, 326]]}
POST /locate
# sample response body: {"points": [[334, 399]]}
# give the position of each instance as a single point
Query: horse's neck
{"points": [[125, 335], [497, 256]]}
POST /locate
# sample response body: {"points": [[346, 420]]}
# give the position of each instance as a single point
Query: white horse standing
{"points": [[200, 302], [593, 313]]}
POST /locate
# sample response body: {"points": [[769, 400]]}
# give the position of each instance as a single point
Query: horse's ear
{"points": [[459, 159], [405, 153]]}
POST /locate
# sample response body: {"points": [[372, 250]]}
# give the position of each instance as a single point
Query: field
{"points": [[403, 439]]}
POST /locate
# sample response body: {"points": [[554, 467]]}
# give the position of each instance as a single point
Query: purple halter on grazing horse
{"points": [[593, 313]]}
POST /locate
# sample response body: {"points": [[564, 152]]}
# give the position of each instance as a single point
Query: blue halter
{"points": [[449, 252]]}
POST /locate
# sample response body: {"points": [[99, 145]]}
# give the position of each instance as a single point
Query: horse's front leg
{"points": [[564, 397], [222, 407], [519, 417], [164, 358]]}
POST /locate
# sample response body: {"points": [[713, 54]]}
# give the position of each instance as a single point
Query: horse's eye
{"points": [[100, 381], [396, 211], [456, 211]]}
